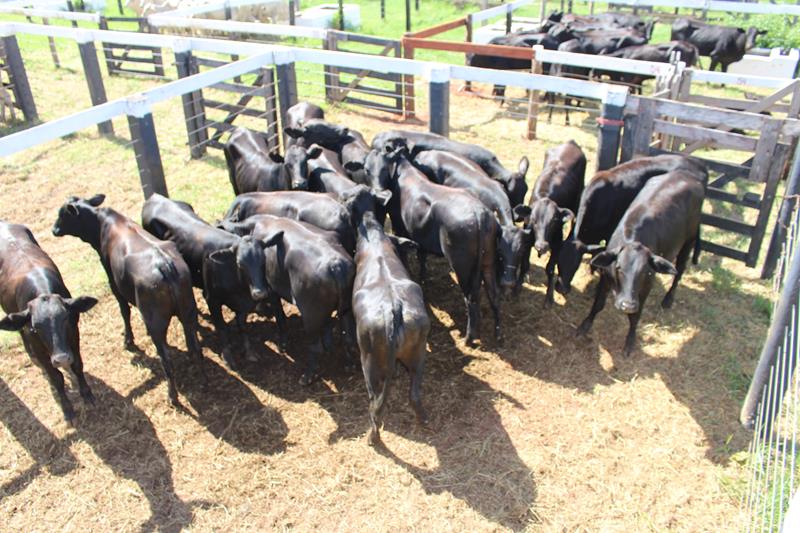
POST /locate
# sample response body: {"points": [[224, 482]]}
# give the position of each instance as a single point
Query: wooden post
{"points": [[119, 6], [94, 78], [383, 9], [19, 79], [542, 12], [107, 53], [193, 110], [468, 24], [341, 15], [767, 167], [591, 7], [408, 15], [287, 92], [439, 102], [416, 5], [291, 12], [408, 86], [569, 6], [52, 42], [509, 19], [610, 125], [148, 155], [331, 74], [533, 100]]}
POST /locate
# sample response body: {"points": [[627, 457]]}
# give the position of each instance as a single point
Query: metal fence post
{"points": [[145, 146], [439, 101], [193, 110], [291, 12], [19, 78], [94, 78], [509, 17], [287, 91], [610, 125]]}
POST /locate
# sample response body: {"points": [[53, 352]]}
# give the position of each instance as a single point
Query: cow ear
{"points": [[521, 212], [274, 240], [662, 266], [15, 321], [276, 157], [383, 197], [72, 209], [81, 304], [566, 215], [603, 259], [353, 166], [294, 133], [96, 200], [314, 152], [402, 244], [523, 166], [221, 257]]}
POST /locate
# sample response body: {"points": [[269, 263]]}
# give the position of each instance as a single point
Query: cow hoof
{"points": [[583, 329], [666, 303], [548, 303], [374, 438], [69, 418], [131, 346]]}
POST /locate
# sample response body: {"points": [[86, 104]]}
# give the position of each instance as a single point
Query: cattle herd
{"points": [[309, 228], [625, 36]]}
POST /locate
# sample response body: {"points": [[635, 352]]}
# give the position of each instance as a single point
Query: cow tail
{"points": [[393, 322], [172, 280], [230, 160]]}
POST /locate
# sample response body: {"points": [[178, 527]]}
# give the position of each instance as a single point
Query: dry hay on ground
{"points": [[543, 432]]}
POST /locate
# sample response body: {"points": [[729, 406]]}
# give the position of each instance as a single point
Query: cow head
{"points": [[515, 186], [78, 217], [360, 200], [53, 319], [326, 134], [512, 248], [547, 221], [246, 257], [631, 270], [380, 165], [751, 35], [296, 162]]}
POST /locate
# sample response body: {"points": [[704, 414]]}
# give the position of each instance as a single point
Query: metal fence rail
{"points": [[772, 406]]}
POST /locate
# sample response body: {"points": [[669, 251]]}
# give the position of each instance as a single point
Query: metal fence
{"points": [[772, 407]]}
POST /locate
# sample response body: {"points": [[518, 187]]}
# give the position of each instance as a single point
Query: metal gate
{"points": [[139, 60], [376, 90]]}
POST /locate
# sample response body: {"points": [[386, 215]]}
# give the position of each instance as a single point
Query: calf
{"points": [[513, 243], [41, 308], [326, 134], [661, 225], [218, 264], [725, 45], [299, 114], [320, 210], [391, 319], [353, 156], [305, 266], [554, 201], [142, 270], [513, 182], [605, 199], [251, 165], [449, 222]]}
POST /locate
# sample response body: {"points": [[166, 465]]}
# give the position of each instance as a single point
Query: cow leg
{"points": [[188, 320], [157, 329], [415, 389], [215, 309], [124, 309], [680, 266], [83, 387], [280, 321], [599, 302], [630, 338], [56, 379], [550, 98], [241, 326], [422, 257], [377, 388], [490, 286], [567, 102], [550, 270], [348, 325]]}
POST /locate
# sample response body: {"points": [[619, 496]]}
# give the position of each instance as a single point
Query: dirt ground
{"points": [[542, 432]]}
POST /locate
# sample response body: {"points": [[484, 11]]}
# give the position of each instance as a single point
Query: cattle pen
{"points": [[544, 432]]}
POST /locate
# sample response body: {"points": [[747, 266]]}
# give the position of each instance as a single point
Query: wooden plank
{"points": [[764, 151], [775, 156], [374, 105], [727, 224], [709, 136], [129, 47], [128, 59], [750, 200], [738, 171], [733, 103], [515, 52], [374, 91], [206, 62], [439, 28], [239, 89], [360, 75], [643, 132], [628, 131], [366, 39], [701, 115], [533, 101], [395, 78], [724, 251]]}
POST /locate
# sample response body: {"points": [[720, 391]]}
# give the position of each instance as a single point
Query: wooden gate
{"points": [[248, 101], [131, 59], [376, 90], [741, 189]]}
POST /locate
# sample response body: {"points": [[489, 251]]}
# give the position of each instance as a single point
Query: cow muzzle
{"points": [[542, 247], [61, 360], [627, 306], [56, 230], [258, 294]]}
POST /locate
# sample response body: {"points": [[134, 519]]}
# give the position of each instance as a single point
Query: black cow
{"points": [[597, 42], [723, 44], [142, 270], [513, 243], [252, 167], [219, 265], [305, 266], [299, 114], [661, 225], [41, 308], [320, 210], [657, 53], [391, 318], [449, 222], [326, 134], [353, 157], [603, 202], [513, 182], [553, 203]]}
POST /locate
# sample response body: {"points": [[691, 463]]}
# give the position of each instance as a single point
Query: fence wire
{"points": [[772, 462]]}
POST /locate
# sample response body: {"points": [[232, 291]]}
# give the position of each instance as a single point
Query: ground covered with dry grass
{"points": [[542, 432]]}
